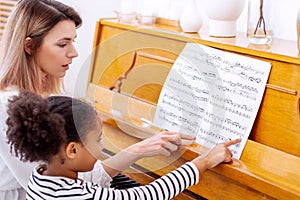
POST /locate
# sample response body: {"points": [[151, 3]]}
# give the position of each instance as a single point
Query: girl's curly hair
{"points": [[37, 127], [33, 132]]}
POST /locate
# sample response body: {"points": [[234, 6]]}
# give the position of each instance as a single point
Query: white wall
{"points": [[91, 11], [284, 26], [284, 19]]}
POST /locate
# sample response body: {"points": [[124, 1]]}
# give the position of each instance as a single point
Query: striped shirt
{"points": [[165, 187]]}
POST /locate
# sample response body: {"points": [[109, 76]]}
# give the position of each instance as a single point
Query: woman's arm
{"points": [[19, 170], [98, 175], [16, 169]]}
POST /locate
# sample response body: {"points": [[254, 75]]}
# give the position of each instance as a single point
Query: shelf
{"points": [[279, 49]]}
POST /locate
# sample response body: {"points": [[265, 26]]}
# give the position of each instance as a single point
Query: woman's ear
{"points": [[28, 44], [72, 149]]}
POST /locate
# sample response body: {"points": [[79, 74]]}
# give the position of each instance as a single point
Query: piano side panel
{"points": [[277, 124]]}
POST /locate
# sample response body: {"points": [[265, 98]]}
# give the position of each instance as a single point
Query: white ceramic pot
{"points": [[191, 19], [222, 16]]}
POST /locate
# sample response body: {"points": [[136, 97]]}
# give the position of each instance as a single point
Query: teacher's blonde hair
{"points": [[34, 19]]}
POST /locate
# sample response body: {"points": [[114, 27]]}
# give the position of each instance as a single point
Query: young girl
{"points": [[65, 134]]}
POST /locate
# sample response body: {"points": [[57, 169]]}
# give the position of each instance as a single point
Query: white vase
{"points": [[222, 16], [259, 22], [191, 19]]}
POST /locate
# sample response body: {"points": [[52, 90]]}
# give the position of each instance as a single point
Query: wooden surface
{"points": [[270, 165]]}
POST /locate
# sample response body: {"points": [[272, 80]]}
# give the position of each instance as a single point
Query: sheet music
{"points": [[212, 94]]}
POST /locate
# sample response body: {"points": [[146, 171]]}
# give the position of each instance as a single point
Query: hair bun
{"points": [[32, 129]]}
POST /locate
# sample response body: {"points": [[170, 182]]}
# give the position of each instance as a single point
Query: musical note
{"points": [[212, 94]]}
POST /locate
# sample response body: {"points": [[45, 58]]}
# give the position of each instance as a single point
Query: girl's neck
{"points": [[58, 170]]}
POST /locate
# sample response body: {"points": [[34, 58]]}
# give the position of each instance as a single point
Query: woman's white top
{"points": [[14, 174]]}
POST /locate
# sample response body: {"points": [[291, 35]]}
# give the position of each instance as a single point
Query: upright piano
{"points": [[129, 65]]}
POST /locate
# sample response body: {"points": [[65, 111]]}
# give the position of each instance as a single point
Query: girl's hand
{"points": [[220, 153], [163, 143]]}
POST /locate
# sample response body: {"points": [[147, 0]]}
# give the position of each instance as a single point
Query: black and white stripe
{"points": [[165, 187]]}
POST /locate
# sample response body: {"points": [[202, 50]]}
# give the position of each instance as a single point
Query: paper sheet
{"points": [[212, 94]]}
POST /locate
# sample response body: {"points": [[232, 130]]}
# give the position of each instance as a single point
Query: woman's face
{"points": [[57, 49]]}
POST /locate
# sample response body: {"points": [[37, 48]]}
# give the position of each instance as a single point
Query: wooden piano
{"points": [[129, 65]]}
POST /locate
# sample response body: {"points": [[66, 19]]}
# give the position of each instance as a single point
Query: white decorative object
{"points": [[191, 19], [222, 16], [259, 23], [147, 20]]}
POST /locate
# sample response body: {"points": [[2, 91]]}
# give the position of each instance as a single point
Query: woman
{"points": [[65, 134], [36, 51]]}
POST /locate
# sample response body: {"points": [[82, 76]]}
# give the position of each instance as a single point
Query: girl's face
{"points": [[57, 49], [91, 149]]}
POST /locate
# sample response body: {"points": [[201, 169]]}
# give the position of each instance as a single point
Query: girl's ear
{"points": [[72, 150], [28, 45]]}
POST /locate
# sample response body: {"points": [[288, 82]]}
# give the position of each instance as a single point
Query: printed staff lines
{"points": [[240, 85], [190, 94], [236, 91], [226, 128], [183, 110], [232, 103]]}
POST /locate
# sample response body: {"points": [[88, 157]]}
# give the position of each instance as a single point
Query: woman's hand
{"points": [[220, 153], [163, 143]]}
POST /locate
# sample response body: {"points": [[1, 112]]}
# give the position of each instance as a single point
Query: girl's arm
{"points": [[161, 144], [165, 187]]}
